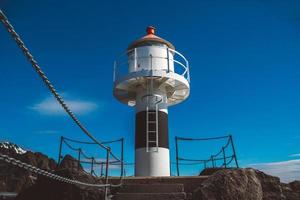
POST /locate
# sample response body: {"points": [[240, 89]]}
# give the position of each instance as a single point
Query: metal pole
{"points": [[177, 165], [92, 166], [135, 59], [101, 169], [79, 155], [60, 149], [204, 164], [106, 171], [212, 161], [224, 157], [233, 149], [122, 157]]}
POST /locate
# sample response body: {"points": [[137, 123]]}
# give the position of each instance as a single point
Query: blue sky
{"points": [[244, 58]]}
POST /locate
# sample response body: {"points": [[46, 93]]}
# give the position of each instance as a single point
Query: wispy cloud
{"points": [[287, 171], [47, 132], [295, 155], [49, 106]]}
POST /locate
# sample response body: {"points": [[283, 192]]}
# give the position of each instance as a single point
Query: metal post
{"points": [[224, 157], [135, 59], [204, 164], [177, 165], [79, 155], [92, 166], [122, 157], [212, 161], [60, 149], [106, 171], [233, 149], [101, 169]]}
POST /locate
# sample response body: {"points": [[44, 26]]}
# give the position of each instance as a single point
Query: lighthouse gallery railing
{"points": [[181, 64]]}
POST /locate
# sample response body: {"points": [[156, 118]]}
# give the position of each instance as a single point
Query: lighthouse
{"points": [[151, 76]]}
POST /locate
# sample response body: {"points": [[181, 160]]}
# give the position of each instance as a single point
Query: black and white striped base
{"points": [[154, 159]]}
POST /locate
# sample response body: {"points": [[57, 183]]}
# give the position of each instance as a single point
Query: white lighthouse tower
{"points": [[151, 76]]}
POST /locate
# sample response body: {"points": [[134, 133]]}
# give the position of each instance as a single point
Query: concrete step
{"points": [[190, 183], [150, 196], [151, 188]]}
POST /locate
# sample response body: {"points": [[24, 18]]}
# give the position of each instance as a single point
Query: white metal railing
{"points": [[181, 64]]}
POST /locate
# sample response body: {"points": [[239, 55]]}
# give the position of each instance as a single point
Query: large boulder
{"points": [[291, 191], [230, 185], [245, 184]]}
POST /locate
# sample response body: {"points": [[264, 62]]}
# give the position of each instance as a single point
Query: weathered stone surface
{"points": [[209, 171], [246, 184], [230, 185], [271, 186], [14, 179], [48, 189], [291, 191]]}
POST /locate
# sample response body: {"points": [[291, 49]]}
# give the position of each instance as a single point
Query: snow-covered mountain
{"points": [[11, 147]]}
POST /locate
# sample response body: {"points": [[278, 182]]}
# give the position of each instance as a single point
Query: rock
{"points": [[48, 189], [291, 191], [271, 186], [245, 184], [295, 185], [14, 179], [70, 163], [11, 149], [241, 184], [209, 171]]}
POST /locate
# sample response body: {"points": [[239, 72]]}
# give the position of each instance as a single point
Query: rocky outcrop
{"points": [[14, 179], [48, 189], [291, 191], [245, 184]]}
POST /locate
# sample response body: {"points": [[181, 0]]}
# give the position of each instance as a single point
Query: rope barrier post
{"points": [[234, 153], [177, 165], [101, 169], [79, 156], [122, 157], [224, 157], [60, 149], [106, 172], [212, 161], [204, 163], [92, 165]]}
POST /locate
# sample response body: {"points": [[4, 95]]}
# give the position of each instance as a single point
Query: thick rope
{"points": [[45, 79]]}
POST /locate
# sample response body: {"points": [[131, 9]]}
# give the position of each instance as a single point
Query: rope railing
{"points": [[83, 158], [86, 142], [219, 156], [16, 37]]}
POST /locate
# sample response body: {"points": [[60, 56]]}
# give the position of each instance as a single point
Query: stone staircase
{"points": [[158, 188]]}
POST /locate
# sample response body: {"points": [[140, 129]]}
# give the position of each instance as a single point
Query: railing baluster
{"points": [[233, 149], [79, 157], [224, 157], [122, 157], [92, 166], [106, 172], [60, 149], [177, 165]]}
